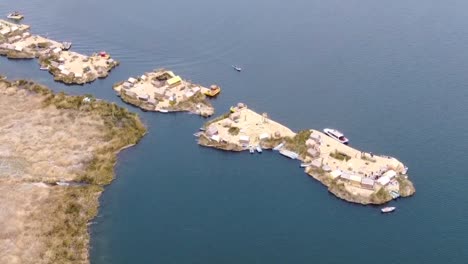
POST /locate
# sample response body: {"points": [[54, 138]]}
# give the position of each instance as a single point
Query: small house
{"points": [[143, 97], [264, 136], [127, 85], [310, 143], [367, 183], [244, 139], [317, 163], [335, 174], [174, 81], [132, 80], [355, 180], [312, 152], [384, 180], [212, 130]]}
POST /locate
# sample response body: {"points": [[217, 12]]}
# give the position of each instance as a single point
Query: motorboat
{"points": [[335, 134], [388, 209], [66, 45], [237, 68], [44, 68], [279, 146], [394, 194], [251, 150], [15, 16], [305, 165], [259, 149]]}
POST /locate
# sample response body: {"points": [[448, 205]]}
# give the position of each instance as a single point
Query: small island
{"points": [[57, 152], [16, 42], [163, 91], [350, 174]]}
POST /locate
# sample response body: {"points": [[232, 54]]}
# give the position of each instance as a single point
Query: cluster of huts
{"points": [[160, 87]]}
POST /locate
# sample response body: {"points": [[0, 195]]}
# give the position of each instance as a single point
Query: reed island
{"points": [[57, 152], [348, 173], [163, 91], [16, 42]]}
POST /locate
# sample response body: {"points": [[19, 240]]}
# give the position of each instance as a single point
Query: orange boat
{"points": [[213, 91]]}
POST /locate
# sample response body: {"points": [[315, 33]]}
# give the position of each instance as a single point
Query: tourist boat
{"points": [[213, 91], [259, 149], [237, 68], [335, 134], [44, 68], [388, 209], [251, 150], [66, 45], [15, 16]]}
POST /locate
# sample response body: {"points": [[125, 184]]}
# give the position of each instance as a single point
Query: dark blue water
{"points": [[392, 75]]}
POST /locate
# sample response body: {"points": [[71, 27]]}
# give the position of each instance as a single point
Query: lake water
{"points": [[391, 75]]}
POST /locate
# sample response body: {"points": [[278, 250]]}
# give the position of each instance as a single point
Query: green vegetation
{"points": [[339, 155], [381, 196], [298, 142], [69, 210], [234, 131]]}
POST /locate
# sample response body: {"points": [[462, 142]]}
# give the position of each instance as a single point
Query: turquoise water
{"points": [[391, 75]]}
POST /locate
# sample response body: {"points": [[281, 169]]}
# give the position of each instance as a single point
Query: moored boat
{"points": [[388, 209], [259, 149], [251, 150], [279, 146], [44, 68], [237, 68], [66, 45], [213, 91], [335, 134], [305, 165], [15, 16]]}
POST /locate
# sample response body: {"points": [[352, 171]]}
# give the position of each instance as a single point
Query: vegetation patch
{"points": [[298, 142], [340, 155], [234, 131]]}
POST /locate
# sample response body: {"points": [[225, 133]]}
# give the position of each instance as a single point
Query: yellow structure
{"points": [[174, 81], [213, 91]]}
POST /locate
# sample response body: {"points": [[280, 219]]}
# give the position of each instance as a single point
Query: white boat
{"points": [[388, 209], [66, 45], [198, 134], [15, 16], [335, 134], [305, 165], [280, 145], [163, 111], [259, 149], [289, 154], [44, 68], [251, 150], [237, 68]]}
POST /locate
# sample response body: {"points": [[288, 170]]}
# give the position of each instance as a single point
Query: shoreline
{"points": [[349, 174], [68, 194]]}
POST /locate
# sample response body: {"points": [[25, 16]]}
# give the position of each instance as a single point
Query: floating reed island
{"points": [[16, 42], [163, 91], [350, 174]]}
